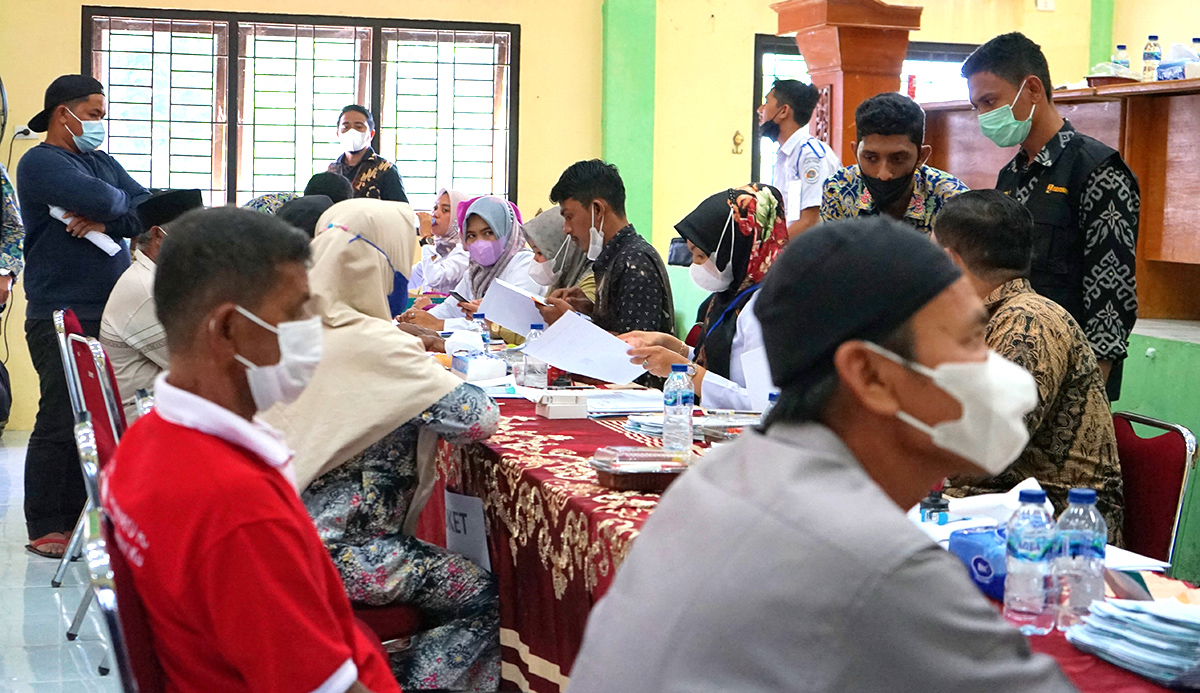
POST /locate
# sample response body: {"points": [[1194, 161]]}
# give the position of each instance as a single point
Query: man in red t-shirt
{"points": [[239, 592]]}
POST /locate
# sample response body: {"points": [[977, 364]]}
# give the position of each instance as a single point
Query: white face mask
{"points": [[299, 354], [707, 276], [544, 273], [354, 140], [995, 396], [595, 238]]}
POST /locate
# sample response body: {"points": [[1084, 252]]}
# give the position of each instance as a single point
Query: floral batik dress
{"points": [[359, 510]]}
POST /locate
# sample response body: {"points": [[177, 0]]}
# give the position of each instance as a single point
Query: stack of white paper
{"points": [[575, 345], [622, 402], [1159, 640]]}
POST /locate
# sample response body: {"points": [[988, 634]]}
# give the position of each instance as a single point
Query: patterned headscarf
{"points": [[444, 244], [504, 219], [759, 214]]}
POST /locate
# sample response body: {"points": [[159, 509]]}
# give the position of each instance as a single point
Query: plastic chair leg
{"points": [[80, 613], [74, 547]]}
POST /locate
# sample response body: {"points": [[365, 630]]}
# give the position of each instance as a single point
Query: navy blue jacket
{"points": [[62, 271]]}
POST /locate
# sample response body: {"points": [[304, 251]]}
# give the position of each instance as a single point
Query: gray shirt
{"points": [[777, 564]]}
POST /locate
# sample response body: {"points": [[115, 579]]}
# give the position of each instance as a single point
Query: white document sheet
{"points": [[510, 307], [466, 529], [100, 240], [577, 346]]}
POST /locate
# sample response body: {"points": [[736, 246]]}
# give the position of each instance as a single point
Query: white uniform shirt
{"points": [[437, 274], [133, 338], [801, 167], [516, 273], [749, 386]]}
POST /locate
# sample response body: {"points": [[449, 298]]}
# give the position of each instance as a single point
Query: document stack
{"points": [[1156, 639]]}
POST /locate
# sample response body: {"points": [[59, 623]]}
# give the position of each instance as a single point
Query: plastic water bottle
{"points": [[771, 400], [1121, 57], [1151, 57], [1030, 596], [535, 369], [479, 326], [1079, 559], [678, 399], [1196, 45]]}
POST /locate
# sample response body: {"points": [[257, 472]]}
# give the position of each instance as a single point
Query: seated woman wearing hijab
{"points": [[734, 236], [444, 261], [493, 237], [365, 432], [558, 261]]}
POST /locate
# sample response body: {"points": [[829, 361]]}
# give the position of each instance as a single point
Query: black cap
{"points": [[167, 206], [855, 279], [64, 89]]}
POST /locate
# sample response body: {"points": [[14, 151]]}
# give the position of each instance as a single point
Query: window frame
{"points": [[377, 26], [770, 43]]}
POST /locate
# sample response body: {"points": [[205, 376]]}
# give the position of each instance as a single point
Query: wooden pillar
{"points": [[854, 50]]}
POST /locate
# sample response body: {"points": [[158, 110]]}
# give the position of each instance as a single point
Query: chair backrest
{"points": [[89, 458], [65, 323], [1155, 473]]}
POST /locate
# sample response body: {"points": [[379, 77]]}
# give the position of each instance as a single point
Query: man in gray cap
{"points": [[130, 331], [785, 561], [77, 203]]}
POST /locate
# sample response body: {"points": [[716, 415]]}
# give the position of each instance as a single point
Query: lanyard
{"points": [[729, 307]]}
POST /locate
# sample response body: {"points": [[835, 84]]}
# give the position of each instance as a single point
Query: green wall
{"points": [[627, 109], [1100, 43], [1163, 386]]}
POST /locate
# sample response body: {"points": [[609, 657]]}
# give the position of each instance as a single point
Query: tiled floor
{"points": [[34, 652]]}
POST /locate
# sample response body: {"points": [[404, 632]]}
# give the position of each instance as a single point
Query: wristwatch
{"points": [[691, 370]]}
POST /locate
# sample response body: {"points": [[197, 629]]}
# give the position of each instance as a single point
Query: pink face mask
{"points": [[486, 253]]}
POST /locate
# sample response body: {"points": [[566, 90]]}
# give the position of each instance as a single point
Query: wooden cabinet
{"points": [[1156, 127]]}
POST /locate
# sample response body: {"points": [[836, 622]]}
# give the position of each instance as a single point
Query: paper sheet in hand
{"points": [[577, 346], [100, 240], [510, 306]]}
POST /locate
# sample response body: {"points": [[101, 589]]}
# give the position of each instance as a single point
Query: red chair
{"points": [[390, 622], [1155, 473]]}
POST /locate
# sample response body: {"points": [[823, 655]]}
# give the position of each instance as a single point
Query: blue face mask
{"points": [[398, 299], [93, 134]]}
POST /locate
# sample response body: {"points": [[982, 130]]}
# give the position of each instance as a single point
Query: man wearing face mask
{"points": [[632, 290], [1085, 201], [370, 174], [223, 540], [77, 203], [990, 237], [887, 385], [891, 176], [803, 162]]}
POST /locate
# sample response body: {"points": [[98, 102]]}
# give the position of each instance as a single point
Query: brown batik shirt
{"points": [[1072, 443]]}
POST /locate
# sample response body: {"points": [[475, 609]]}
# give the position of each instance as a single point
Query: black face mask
{"points": [[769, 129], [885, 193]]}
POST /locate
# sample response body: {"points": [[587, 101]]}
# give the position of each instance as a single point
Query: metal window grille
{"points": [[294, 81], [165, 83], [446, 96], [243, 104]]}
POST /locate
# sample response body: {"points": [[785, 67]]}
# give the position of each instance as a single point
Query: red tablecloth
{"points": [[556, 538]]}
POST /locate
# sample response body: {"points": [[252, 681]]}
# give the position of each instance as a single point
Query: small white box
{"points": [[563, 405]]}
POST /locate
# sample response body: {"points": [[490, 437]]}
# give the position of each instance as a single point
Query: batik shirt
{"points": [[632, 291], [373, 176], [846, 196], [1072, 443], [1107, 209], [12, 231], [271, 202]]}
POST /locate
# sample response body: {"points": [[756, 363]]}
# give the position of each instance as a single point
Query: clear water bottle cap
{"points": [[773, 397], [1153, 37], [679, 367], [1034, 495], [479, 316], [537, 326], [1121, 46], [1082, 496]]}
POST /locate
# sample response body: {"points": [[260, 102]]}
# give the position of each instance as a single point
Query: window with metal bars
{"points": [[186, 111], [930, 74]]}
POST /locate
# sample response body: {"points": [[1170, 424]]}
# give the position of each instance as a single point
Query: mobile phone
{"points": [[455, 295]]}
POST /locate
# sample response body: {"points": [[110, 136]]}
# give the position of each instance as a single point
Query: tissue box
{"points": [[984, 550], [473, 367], [1176, 69]]}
